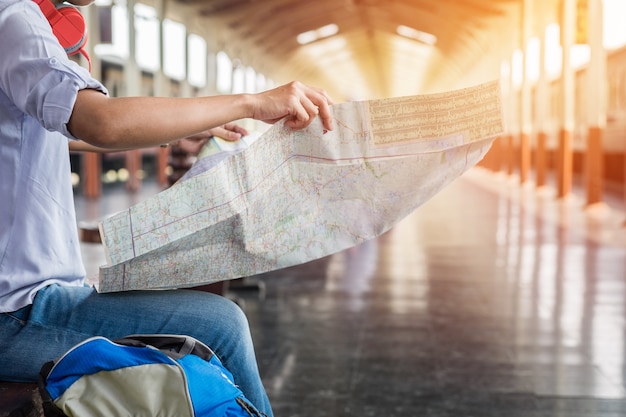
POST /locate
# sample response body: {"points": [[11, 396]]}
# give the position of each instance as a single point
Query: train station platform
{"points": [[492, 299]]}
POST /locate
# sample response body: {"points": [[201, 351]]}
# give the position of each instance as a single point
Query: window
{"points": [[146, 37], [197, 61], [174, 49], [224, 73]]}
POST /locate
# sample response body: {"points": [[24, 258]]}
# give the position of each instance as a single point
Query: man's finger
{"points": [[227, 134], [322, 103], [326, 116]]}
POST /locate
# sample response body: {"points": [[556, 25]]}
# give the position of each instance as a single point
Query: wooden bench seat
{"points": [[19, 400]]}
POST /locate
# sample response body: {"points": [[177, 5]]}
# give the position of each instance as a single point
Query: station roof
{"points": [[363, 49]]}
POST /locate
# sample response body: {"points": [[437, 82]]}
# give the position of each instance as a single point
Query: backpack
{"points": [[143, 376]]}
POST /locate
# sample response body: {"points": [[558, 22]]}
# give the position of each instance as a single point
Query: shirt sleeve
{"points": [[35, 72]]}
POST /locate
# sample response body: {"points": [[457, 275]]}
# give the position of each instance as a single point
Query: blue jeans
{"points": [[62, 316]]}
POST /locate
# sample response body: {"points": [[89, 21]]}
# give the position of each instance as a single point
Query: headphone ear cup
{"points": [[70, 29]]}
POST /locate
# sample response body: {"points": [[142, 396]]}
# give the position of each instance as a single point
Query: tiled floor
{"points": [[490, 300]]}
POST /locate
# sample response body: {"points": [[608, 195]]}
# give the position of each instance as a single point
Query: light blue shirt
{"points": [[38, 87]]}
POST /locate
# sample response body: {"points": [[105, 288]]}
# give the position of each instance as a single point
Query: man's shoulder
{"points": [[4, 4], [19, 11]]}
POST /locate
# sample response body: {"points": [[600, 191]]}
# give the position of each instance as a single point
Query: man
{"points": [[45, 98]]}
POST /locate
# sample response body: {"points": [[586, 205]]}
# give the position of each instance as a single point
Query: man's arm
{"points": [[138, 122], [82, 146], [192, 144]]}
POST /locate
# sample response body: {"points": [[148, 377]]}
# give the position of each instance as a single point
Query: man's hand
{"points": [[299, 103], [193, 144], [230, 132]]}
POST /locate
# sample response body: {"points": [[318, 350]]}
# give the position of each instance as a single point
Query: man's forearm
{"points": [[139, 122], [82, 146]]}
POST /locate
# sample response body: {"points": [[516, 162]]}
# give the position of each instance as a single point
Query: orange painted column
{"points": [[162, 162], [524, 157], [133, 165], [510, 155], [594, 167], [496, 160], [541, 160], [564, 166], [92, 171], [596, 100]]}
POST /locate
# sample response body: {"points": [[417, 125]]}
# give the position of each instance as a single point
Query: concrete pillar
{"points": [[161, 83], [132, 80], [185, 87], [93, 24], [211, 74], [542, 100], [512, 115], [567, 96], [161, 88], [525, 109], [596, 105], [91, 169]]}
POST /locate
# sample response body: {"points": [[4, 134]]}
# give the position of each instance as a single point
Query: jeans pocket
{"points": [[20, 316]]}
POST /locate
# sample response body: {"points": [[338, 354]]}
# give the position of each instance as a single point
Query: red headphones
{"points": [[67, 25]]}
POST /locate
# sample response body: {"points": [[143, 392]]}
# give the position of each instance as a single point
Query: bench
{"points": [[19, 400]]}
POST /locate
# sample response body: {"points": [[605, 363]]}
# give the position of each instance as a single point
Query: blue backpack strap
{"points": [[49, 408]]}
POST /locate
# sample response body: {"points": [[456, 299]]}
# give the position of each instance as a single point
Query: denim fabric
{"points": [[62, 316]]}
